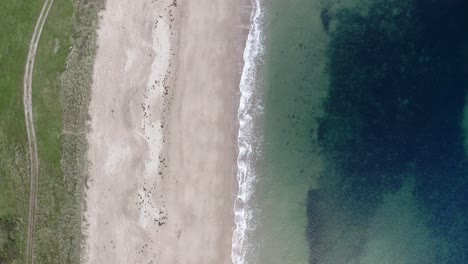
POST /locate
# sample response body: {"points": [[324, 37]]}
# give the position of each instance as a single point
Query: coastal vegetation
{"points": [[17, 21], [62, 77]]}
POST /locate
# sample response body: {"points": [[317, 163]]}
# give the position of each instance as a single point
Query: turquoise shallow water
{"points": [[364, 133], [293, 90]]}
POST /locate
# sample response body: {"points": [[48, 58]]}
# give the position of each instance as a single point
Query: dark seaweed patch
{"points": [[325, 18]]}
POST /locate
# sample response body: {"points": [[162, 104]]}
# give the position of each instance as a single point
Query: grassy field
{"points": [[17, 21], [62, 78], [52, 193]]}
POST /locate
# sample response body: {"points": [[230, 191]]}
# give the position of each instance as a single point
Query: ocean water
{"points": [[354, 133]]}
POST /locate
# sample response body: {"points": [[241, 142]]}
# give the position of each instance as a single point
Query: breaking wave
{"points": [[250, 110]]}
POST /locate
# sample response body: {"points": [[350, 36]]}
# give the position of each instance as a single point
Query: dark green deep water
{"points": [[364, 139]]}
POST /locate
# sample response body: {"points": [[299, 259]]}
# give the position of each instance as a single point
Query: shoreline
{"points": [[249, 112], [207, 145], [162, 142]]}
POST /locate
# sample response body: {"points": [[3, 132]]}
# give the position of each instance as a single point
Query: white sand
{"points": [[126, 139], [162, 142]]}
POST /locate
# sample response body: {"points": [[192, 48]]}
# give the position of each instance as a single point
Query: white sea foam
{"points": [[250, 109]]}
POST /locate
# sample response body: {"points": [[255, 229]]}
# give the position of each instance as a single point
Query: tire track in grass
{"points": [[28, 113]]}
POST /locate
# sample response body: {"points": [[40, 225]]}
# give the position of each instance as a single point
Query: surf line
{"points": [[253, 52]]}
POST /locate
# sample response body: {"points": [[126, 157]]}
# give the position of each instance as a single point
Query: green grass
{"points": [[61, 81], [53, 196], [17, 21], [8, 236]]}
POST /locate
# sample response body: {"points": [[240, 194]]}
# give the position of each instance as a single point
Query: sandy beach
{"points": [[162, 149]]}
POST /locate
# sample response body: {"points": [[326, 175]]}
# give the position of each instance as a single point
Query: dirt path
{"points": [[27, 101]]}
